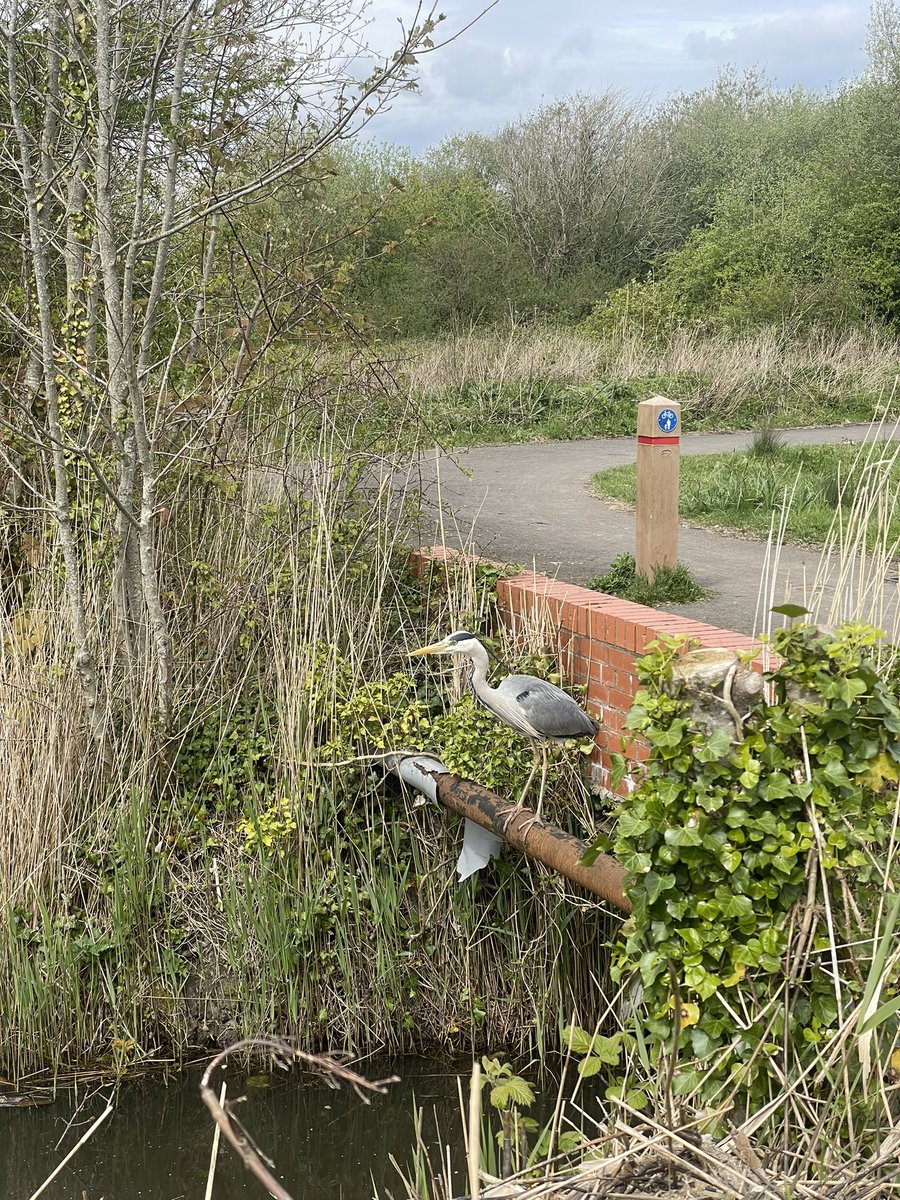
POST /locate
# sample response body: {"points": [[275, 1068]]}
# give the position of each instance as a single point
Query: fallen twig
{"points": [[237, 1137]]}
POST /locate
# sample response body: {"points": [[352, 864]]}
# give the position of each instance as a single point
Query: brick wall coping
{"points": [[598, 612]]}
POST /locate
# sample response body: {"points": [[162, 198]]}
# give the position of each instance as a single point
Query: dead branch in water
{"points": [[334, 1073]]}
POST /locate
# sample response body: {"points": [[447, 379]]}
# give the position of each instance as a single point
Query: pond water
{"points": [[156, 1144]]}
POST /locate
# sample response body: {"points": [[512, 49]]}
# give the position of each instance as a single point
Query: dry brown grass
{"points": [[726, 368], [514, 355]]}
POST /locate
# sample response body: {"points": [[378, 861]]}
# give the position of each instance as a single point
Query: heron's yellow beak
{"points": [[436, 648]]}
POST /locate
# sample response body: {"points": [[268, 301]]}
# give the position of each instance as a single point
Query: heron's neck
{"points": [[478, 677]]}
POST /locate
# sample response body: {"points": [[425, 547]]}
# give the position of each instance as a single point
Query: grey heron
{"points": [[533, 707]]}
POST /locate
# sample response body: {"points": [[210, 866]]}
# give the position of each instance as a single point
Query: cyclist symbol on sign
{"points": [[667, 420]]}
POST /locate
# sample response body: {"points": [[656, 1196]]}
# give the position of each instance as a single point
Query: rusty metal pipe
{"points": [[605, 877]]}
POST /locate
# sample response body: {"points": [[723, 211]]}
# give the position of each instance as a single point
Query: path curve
{"points": [[531, 504]]}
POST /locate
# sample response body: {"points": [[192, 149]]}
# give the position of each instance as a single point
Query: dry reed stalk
{"points": [[727, 369], [85, 1137], [856, 577]]}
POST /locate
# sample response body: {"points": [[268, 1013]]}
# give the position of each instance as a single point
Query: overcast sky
{"points": [[526, 52]]}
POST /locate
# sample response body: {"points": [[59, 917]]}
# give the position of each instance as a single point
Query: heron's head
{"points": [[459, 642]]}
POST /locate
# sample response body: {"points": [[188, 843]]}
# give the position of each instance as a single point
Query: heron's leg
{"points": [[544, 765], [515, 810], [536, 758]]}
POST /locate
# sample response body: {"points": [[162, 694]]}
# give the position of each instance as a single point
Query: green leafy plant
{"points": [[474, 744], [673, 585], [509, 1093], [728, 843], [269, 829], [602, 1054], [594, 1050]]}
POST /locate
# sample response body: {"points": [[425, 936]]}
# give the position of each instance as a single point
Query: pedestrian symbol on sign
{"points": [[667, 420]]}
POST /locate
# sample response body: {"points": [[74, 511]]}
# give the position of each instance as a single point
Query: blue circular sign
{"points": [[668, 420]]}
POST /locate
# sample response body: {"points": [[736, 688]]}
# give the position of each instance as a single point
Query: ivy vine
{"points": [[752, 862]]}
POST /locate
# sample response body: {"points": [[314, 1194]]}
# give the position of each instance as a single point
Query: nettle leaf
{"points": [[578, 1039], [519, 1091], [609, 1049], [634, 1097]]}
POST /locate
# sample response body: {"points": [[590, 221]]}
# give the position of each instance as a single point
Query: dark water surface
{"points": [[156, 1144]]}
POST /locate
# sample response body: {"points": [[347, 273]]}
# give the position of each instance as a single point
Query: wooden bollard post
{"points": [[658, 454]]}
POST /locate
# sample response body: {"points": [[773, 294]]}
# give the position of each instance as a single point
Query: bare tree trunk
{"points": [[110, 176], [35, 187]]}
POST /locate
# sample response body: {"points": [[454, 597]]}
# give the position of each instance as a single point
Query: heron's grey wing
{"points": [[547, 708]]}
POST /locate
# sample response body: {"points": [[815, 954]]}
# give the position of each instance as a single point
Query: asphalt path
{"points": [[531, 505]]}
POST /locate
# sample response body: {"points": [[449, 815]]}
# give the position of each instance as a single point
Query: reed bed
{"points": [[225, 880]]}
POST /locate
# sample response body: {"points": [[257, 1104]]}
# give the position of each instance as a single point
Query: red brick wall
{"points": [[599, 638]]}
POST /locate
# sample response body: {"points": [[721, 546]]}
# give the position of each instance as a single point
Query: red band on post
{"points": [[644, 440]]}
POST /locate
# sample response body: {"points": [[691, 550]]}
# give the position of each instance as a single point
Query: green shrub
{"points": [[752, 862]]}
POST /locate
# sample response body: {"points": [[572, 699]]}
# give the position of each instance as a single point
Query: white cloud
{"points": [[823, 43], [527, 52], [483, 73]]}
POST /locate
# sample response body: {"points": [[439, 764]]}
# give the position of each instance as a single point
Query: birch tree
{"points": [[131, 131]]}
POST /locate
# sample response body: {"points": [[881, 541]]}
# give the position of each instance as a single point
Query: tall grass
{"points": [[498, 382], [144, 912], [856, 577]]}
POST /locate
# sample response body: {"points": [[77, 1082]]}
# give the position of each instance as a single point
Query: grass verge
{"points": [[742, 491]]}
